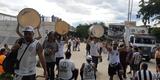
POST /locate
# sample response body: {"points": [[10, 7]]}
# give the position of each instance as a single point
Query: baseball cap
{"points": [[28, 29], [89, 57]]}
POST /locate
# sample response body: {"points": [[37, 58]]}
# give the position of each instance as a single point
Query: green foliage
{"points": [[82, 29], [149, 11], [6, 76], [156, 32]]}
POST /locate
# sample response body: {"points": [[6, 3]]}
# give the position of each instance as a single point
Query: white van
{"points": [[146, 43]]}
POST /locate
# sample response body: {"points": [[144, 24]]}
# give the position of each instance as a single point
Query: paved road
{"points": [[79, 57]]}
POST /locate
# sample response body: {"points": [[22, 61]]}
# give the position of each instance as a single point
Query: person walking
{"points": [[50, 48], [123, 56], [136, 60], [26, 57], [88, 70], [114, 61], [60, 54], [67, 70], [144, 73]]}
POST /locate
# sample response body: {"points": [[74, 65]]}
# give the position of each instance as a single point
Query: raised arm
{"points": [[17, 31], [39, 34]]}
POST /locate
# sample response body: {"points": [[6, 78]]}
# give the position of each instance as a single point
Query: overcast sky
{"points": [[75, 11]]}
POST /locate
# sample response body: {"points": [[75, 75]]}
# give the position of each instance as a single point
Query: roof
{"points": [[122, 24], [7, 15], [144, 35]]}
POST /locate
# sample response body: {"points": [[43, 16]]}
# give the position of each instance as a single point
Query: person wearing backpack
{"points": [[26, 57], [136, 60]]}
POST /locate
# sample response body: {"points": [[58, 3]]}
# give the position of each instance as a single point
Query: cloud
{"points": [[74, 11]]}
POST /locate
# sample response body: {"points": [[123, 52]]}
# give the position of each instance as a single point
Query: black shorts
{"points": [[113, 69], [95, 59], [29, 77], [58, 60], [135, 67]]}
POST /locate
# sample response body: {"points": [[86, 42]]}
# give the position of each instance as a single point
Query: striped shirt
{"points": [[144, 75]]}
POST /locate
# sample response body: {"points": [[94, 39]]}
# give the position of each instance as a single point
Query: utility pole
{"points": [[130, 7]]}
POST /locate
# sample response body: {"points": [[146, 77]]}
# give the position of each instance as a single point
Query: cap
{"points": [[89, 57], [28, 29]]}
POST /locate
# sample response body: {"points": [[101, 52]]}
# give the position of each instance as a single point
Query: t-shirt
{"points": [[53, 46], [60, 52], [94, 47], [88, 72], [66, 67], [144, 75], [114, 57]]}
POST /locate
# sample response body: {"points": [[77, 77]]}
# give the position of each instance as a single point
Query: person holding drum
{"points": [[94, 50], [26, 56], [29, 17], [96, 31], [61, 40], [21, 35]]}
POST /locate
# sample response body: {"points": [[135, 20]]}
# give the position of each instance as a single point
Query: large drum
{"points": [[96, 31], [62, 27], [29, 17]]}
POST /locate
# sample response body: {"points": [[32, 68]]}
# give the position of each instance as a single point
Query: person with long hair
{"points": [[50, 48]]}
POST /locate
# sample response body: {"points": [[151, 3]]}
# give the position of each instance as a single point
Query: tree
{"points": [[82, 29], [156, 32], [149, 11]]}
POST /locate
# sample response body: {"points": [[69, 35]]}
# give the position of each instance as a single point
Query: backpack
{"points": [[10, 61], [137, 59]]}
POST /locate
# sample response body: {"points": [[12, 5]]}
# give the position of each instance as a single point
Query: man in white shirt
{"points": [[67, 70], [26, 57], [60, 54], [114, 62], [94, 51]]}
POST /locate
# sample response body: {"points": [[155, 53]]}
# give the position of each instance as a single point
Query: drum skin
{"points": [[96, 31], [62, 27], [29, 17]]}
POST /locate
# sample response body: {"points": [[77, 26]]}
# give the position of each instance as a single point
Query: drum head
{"points": [[97, 31], [62, 27], [29, 17]]}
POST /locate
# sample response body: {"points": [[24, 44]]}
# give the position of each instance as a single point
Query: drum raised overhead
{"points": [[96, 31], [29, 17], [62, 27]]}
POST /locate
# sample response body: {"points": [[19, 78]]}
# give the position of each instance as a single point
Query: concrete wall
{"points": [[8, 29]]}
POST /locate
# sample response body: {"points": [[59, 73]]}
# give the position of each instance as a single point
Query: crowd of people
{"points": [[51, 53]]}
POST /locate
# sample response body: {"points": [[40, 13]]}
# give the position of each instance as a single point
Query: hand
{"points": [[16, 46]]}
